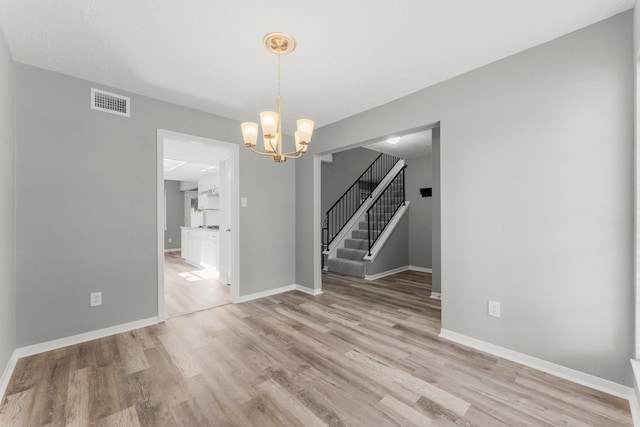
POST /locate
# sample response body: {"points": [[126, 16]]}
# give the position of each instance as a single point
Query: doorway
{"points": [[198, 221], [416, 145]]}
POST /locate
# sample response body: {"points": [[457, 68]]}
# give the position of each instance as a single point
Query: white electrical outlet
{"points": [[170, 239], [96, 299], [493, 308]]}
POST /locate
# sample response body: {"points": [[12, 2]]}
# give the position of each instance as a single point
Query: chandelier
{"points": [[271, 121]]}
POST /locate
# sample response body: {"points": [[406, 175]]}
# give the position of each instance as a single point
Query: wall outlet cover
{"points": [[95, 299]]}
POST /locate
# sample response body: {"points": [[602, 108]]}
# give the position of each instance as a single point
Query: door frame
{"points": [[317, 207], [234, 291]]}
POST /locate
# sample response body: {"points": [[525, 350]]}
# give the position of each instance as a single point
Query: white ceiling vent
{"points": [[110, 102]]}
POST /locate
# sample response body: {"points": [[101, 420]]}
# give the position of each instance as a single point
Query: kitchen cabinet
{"points": [[209, 248], [201, 247], [188, 241]]}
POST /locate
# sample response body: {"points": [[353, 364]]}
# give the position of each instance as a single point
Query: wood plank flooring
{"points": [[362, 354], [188, 289]]}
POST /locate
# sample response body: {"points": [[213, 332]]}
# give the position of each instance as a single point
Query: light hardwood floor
{"points": [[362, 354], [188, 289]]}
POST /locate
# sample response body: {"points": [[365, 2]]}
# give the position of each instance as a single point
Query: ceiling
{"points": [[351, 55], [186, 159], [407, 146]]}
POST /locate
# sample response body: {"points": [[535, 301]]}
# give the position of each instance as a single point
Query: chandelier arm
{"points": [[293, 154], [261, 152], [299, 152], [272, 147]]}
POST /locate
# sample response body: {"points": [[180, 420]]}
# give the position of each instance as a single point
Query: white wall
{"points": [[95, 173], [537, 196], [7, 205]]}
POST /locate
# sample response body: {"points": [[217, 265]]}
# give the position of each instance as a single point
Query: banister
{"points": [[391, 199], [339, 214]]}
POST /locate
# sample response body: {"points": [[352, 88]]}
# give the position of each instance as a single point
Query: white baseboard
{"points": [[87, 336], [421, 269], [265, 294], [309, 291], [635, 393], [173, 250], [396, 270], [436, 295], [386, 273], [578, 377], [277, 291], [67, 341], [6, 375]]}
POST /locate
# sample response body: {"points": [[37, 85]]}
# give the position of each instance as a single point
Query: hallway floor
{"points": [[188, 288]]}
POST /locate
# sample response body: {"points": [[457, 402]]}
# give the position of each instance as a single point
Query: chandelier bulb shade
{"points": [[271, 121]]}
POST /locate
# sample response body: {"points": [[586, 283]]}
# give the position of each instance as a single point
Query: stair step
{"points": [[364, 234], [380, 216], [352, 254], [356, 244], [375, 225], [346, 266]]}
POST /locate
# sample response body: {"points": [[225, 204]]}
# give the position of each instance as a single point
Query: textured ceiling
{"points": [[351, 55]]}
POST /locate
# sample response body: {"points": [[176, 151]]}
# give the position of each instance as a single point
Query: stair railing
{"points": [[348, 204], [384, 207]]}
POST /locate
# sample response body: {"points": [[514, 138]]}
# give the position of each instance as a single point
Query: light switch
{"points": [[243, 202], [493, 308]]}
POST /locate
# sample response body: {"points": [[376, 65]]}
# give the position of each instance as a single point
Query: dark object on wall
{"points": [[425, 192]]}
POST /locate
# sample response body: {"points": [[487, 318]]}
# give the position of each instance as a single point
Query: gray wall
{"points": [[394, 253], [337, 176], [86, 207], [7, 205], [175, 215], [418, 175], [537, 197]]}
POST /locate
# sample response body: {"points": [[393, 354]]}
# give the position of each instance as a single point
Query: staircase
{"points": [[349, 260], [359, 192]]}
